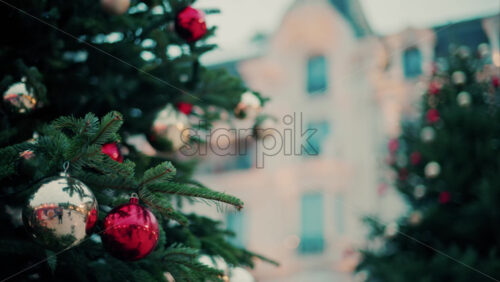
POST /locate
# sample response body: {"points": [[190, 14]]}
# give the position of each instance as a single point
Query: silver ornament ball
{"points": [[483, 50], [427, 134], [432, 170], [239, 274], [463, 52], [170, 130], [458, 77], [61, 212], [463, 99], [20, 98], [419, 191], [249, 106]]}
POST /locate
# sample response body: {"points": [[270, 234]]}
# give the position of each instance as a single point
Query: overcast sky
{"points": [[239, 20]]}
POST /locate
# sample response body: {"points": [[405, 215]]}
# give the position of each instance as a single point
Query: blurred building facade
{"points": [[325, 70]]}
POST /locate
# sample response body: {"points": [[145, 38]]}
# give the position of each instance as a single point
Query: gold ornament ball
{"points": [[463, 99], [116, 7], [458, 77], [170, 130], [432, 170], [415, 218], [61, 212], [20, 98], [249, 106]]}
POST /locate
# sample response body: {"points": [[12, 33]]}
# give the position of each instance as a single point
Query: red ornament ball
{"points": [[393, 145], [403, 174], [190, 24], [444, 197], [112, 150], [185, 108], [415, 158], [495, 80], [131, 231], [432, 116], [434, 87]]}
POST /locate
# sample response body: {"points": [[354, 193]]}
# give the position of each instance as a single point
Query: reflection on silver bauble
{"points": [[61, 212], [170, 130], [463, 99], [458, 77], [432, 170], [20, 98], [249, 106]]}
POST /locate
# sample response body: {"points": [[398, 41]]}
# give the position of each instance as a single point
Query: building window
{"points": [[236, 223], [316, 75], [315, 142], [312, 240], [412, 60], [339, 219]]}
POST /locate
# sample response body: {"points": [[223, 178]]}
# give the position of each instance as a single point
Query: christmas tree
{"points": [[447, 169], [79, 78]]}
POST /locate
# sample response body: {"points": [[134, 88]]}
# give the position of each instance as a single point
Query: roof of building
{"points": [[352, 11]]}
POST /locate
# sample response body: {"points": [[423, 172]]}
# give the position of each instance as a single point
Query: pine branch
{"points": [[190, 191], [160, 173], [162, 205], [110, 124]]}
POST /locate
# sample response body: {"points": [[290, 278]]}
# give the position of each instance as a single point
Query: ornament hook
{"points": [[66, 166], [134, 198]]}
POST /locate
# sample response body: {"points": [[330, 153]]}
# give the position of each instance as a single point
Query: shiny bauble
{"points": [[427, 134], [415, 218], [419, 191], [463, 52], [185, 108], [248, 107], [130, 232], [115, 7], [391, 230], [458, 77], [463, 99], [170, 130], [61, 212], [239, 274], [483, 50], [432, 116], [113, 151], [190, 24], [214, 262], [20, 98], [432, 170]]}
